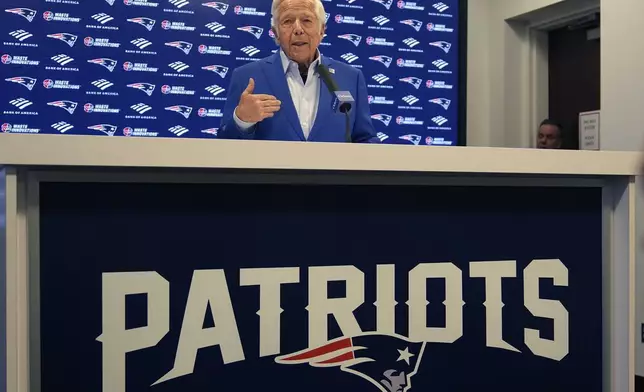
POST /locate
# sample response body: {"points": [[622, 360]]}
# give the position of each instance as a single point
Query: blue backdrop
{"points": [[161, 67], [93, 234]]}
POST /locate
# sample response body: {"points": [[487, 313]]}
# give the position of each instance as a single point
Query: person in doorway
{"points": [[550, 135]]}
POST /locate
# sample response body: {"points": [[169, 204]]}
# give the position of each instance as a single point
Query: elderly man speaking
{"points": [[282, 97]]}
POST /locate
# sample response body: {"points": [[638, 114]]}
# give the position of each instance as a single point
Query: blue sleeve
{"points": [[363, 129], [228, 128]]}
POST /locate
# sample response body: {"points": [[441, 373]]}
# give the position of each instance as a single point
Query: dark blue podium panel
{"points": [[178, 287]]}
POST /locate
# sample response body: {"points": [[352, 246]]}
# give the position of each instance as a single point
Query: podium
{"points": [[133, 264]]}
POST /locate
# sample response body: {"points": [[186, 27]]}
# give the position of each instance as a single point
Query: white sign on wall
{"points": [[589, 123]]}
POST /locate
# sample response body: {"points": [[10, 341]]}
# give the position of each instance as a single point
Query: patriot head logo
{"points": [[69, 106], [218, 69], [385, 60], [254, 30], [416, 82], [25, 81], [69, 39], [385, 3], [415, 24], [410, 138], [383, 118], [181, 109], [145, 22], [184, 46], [387, 362], [107, 129], [24, 12], [145, 87], [446, 46], [443, 102], [353, 38], [107, 63], [221, 7]]}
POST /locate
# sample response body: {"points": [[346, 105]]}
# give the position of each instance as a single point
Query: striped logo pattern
{"points": [[141, 43], [410, 100], [20, 35], [411, 42], [141, 108], [178, 130], [215, 27], [439, 120], [62, 59], [21, 103], [440, 64], [179, 66], [250, 50], [62, 126], [102, 18], [380, 78], [215, 89], [179, 3], [381, 20], [349, 57], [102, 84]]}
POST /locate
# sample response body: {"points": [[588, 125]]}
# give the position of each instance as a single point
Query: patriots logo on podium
{"points": [[254, 30], [24, 12], [411, 138], [446, 46], [387, 362]]}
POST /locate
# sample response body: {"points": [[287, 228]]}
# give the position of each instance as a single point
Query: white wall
{"points": [[622, 69], [506, 100]]}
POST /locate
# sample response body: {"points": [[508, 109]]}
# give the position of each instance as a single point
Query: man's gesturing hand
{"points": [[254, 108]]}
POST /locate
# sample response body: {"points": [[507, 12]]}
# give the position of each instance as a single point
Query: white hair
{"points": [[317, 5]]}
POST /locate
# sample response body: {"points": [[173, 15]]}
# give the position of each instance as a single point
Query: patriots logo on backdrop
{"points": [[27, 82], [181, 109], [416, 24], [386, 3], [107, 129], [145, 22], [24, 12], [411, 138], [210, 131], [446, 46], [383, 118], [444, 102], [182, 45], [254, 30], [69, 106], [107, 63], [110, 2], [416, 82], [69, 39], [218, 69], [353, 38], [386, 60], [221, 7], [145, 87], [387, 362]]}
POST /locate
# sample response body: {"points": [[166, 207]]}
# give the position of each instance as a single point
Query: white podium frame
{"points": [[30, 160]]}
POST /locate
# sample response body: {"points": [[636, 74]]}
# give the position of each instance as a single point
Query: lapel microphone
{"points": [[341, 100]]}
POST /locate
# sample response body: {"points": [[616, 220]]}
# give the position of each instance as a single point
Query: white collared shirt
{"points": [[305, 96]]}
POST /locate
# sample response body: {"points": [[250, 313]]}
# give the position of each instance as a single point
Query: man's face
{"points": [[299, 30], [549, 137]]}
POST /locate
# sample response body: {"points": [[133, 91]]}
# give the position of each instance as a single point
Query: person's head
{"points": [[298, 26], [549, 135]]}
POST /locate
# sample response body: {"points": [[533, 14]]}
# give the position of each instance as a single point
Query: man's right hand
{"points": [[253, 108]]}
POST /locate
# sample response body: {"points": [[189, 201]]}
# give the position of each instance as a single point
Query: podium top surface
{"points": [[121, 152]]}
